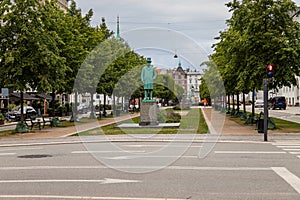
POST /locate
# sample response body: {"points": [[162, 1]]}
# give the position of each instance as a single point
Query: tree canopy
{"points": [[259, 33]]}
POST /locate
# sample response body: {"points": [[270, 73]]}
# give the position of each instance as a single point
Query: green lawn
{"points": [[192, 123], [282, 126]]}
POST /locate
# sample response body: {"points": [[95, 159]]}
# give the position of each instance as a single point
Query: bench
{"points": [[35, 121], [47, 121]]}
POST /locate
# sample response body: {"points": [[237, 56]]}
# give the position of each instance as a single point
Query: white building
{"points": [[188, 79], [193, 82]]}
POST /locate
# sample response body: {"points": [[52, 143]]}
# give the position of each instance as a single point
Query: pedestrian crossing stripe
{"points": [[290, 147]]}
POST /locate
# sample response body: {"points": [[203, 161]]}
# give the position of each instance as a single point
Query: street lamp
{"points": [[175, 56]]}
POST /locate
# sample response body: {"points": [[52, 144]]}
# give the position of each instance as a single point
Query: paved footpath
{"points": [[222, 124], [58, 132]]}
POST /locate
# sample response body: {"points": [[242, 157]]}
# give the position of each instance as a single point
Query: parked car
{"points": [[259, 103], [83, 108], [277, 102], [15, 113]]}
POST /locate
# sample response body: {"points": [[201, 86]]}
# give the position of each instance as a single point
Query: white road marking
{"points": [[298, 156], [78, 197], [7, 154], [287, 146], [286, 143], [291, 149], [294, 152], [103, 181], [137, 167], [250, 152], [19, 149], [289, 177], [219, 168], [145, 156], [89, 152], [157, 145]]}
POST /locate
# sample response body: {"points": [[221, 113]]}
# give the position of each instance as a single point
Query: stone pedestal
{"points": [[148, 113]]}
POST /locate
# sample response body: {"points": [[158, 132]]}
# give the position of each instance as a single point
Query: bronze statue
{"points": [[148, 76]]}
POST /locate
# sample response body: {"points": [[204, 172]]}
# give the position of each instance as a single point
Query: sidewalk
{"points": [[220, 122], [57, 132], [224, 125]]}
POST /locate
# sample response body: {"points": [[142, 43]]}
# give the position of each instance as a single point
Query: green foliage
{"points": [[42, 47], [161, 116], [166, 89], [2, 118], [21, 128], [11, 106], [212, 83], [260, 32], [168, 116]]}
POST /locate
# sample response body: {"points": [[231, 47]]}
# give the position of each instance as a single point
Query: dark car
{"points": [[277, 102]]}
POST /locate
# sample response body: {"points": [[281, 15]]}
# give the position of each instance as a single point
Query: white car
{"points": [[15, 113], [259, 103]]}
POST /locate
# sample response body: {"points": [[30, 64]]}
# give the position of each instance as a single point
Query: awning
{"points": [[25, 96], [43, 96]]}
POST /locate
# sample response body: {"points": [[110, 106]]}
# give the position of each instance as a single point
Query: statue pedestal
{"points": [[148, 113]]}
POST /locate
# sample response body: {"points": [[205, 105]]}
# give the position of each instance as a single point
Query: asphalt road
{"points": [[151, 170]]}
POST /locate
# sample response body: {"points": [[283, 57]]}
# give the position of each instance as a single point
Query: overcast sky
{"points": [[161, 28]]}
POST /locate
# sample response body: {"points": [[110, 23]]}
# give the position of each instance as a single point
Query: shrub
{"points": [[2, 118], [161, 116]]}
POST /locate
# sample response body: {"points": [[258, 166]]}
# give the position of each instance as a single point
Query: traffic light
{"points": [[270, 71]]}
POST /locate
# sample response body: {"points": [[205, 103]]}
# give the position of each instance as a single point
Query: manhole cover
{"points": [[35, 156]]}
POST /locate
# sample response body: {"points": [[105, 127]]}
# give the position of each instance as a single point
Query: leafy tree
{"points": [[260, 32], [129, 83], [29, 52], [165, 88], [203, 90]]}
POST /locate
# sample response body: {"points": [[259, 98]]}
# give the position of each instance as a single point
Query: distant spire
{"points": [[118, 28]]}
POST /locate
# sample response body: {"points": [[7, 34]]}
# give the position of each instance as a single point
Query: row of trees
{"points": [[46, 49], [259, 33], [43, 47]]}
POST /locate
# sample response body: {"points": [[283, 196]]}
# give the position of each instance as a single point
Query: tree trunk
{"points": [[238, 102], [253, 108], [53, 103], [74, 109], [114, 105], [233, 103], [92, 115], [244, 103], [104, 105], [22, 106], [228, 101]]}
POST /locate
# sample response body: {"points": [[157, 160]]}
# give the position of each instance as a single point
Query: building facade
{"points": [[193, 82], [180, 78], [189, 80]]}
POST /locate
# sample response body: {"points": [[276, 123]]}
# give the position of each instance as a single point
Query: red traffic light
{"points": [[270, 71], [270, 67]]}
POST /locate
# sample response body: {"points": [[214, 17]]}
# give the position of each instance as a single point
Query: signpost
{"points": [[270, 74], [266, 111], [5, 94]]}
